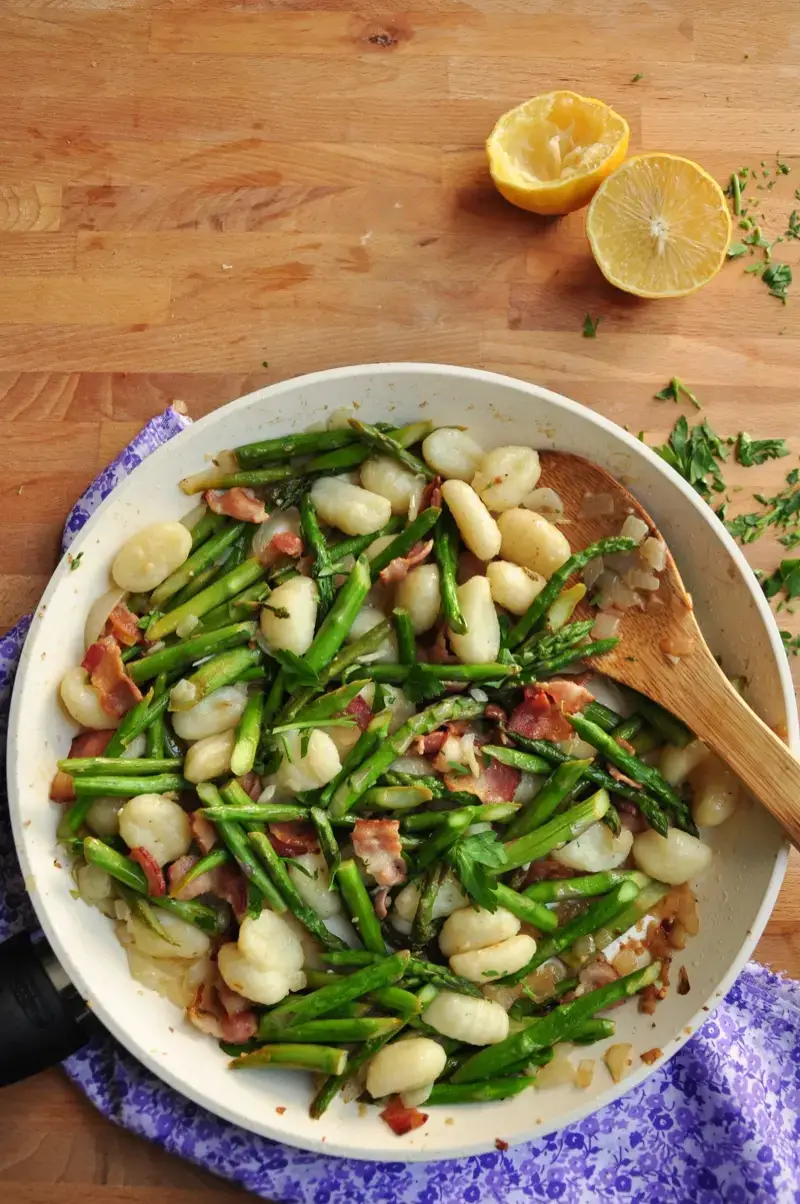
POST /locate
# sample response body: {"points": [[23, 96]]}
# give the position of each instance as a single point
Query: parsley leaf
{"points": [[736, 250], [635, 78], [468, 857], [461, 771], [674, 390], [75, 562], [696, 454], [590, 326], [782, 510], [785, 580], [778, 277], [791, 643], [756, 451], [297, 672]]}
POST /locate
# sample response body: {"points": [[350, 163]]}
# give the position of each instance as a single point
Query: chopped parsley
{"points": [[778, 277], [468, 857], [696, 454], [785, 581], [791, 643], [74, 561], [781, 510], [736, 249], [590, 326], [635, 79], [674, 390], [756, 451]]}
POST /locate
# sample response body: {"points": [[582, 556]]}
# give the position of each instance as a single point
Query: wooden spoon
{"points": [[662, 653]]}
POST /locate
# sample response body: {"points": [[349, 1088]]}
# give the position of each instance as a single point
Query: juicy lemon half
{"points": [[550, 154], [659, 226]]}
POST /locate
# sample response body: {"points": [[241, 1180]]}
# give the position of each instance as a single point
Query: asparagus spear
{"points": [[236, 840], [663, 722], [255, 813], [626, 729], [395, 798], [556, 1026], [556, 889], [363, 646], [196, 648], [204, 528], [421, 928], [327, 842], [386, 445], [93, 787], [406, 640], [527, 762], [221, 591], [540, 670], [556, 831], [322, 1059], [265, 451], [211, 861], [445, 547], [137, 720], [201, 559], [337, 1030], [543, 601], [351, 957], [596, 916], [651, 893], [525, 908], [317, 543], [441, 977], [355, 545], [287, 889], [360, 907], [338, 622], [558, 787], [471, 813], [483, 1092], [247, 735], [603, 716], [402, 544], [368, 742], [299, 1009], [422, 671], [366, 775], [218, 671], [119, 766], [593, 1030]]}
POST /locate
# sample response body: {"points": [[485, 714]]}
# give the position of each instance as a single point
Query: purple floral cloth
{"points": [[719, 1123]]}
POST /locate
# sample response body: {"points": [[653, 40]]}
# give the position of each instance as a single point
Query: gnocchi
{"points": [[715, 793], [149, 556], [266, 962], [474, 927], [596, 849], [674, 858], [476, 526], [310, 875], [474, 1021], [289, 617], [529, 540], [404, 1066], [184, 940], [217, 712], [210, 757], [420, 595], [309, 770], [83, 701], [506, 476], [452, 454], [513, 587], [389, 479], [354, 510], [480, 644], [494, 961], [157, 824]]}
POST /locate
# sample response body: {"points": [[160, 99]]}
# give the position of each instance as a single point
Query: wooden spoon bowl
{"points": [[662, 652]]}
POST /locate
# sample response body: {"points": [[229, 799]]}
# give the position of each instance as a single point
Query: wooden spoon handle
{"points": [[721, 718]]}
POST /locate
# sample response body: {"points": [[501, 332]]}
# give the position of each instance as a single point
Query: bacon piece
{"points": [[251, 785], [237, 503], [222, 1013], [152, 871], [438, 653], [399, 568], [123, 625], [225, 881], [495, 712], [203, 831], [361, 711], [540, 716], [631, 817], [379, 902], [598, 973], [430, 745], [287, 544], [377, 843], [619, 776], [431, 494], [200, 885], [238, 1028], [497, 784], [230, 885], [87, 744], [292, 837], [626, 745], [400, 1119], [546, 868], [103, 663]]}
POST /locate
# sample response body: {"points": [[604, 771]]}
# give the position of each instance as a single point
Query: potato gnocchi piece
{"points": [[149, 556], [292, 632], [389, 479], [480, 644], [505, 477], [513, 587], [420, 594], [452, 453], [404, 1066], [478, 529], [531, 541], [354, 510], [674, 858]]}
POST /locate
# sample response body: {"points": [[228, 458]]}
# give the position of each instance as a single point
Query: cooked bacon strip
{"points": [[431, 494], [597, 973], [495, 712], [251, 785], [87, 744], [430, 745], [123, 625], [294, 836], [237, 503], [103, 663], [570, 694], [400, 1119], [619, 776], [152, 871], [230, 885], [399, 568], [540, 716], [287, 544], [377, 843], [380, 901], [497, 784], [545, 869], [203, 831], [361, 711], [209, 1011]]}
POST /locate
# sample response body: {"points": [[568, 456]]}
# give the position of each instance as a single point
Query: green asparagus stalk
{"points": [[327, 842], [558, 787], [395, 798], [119, 766], [441, 977], [422, 926], [543, 601], [255, 813], [556, 831], [476, 1093], [556, 1026], [350, 653], [204, 528], [386, 445], [445, 547], [649, 895], [137, 720], [366, 775], [556, 889], [211, 861], [247, 735], [318, 545], [236, 840], [402, 544], [202, 558], [355, 545], [540, 670], [360, 907], [283, 882], [626, 729], [127, 787], [338, 622], [593, 1030], [544, 645], [596, 916], [525, 908], [154, 735], [397, 674], [665, 724], [322, 1059], [267, 451], [299, 1009], [225, 588], [490, 813], [330, 1030], [222, 670], [368, 742], [602, 715], [180, 656], [406, 640], [527, 762], [351, 957]]}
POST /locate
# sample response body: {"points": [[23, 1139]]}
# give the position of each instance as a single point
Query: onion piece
{"points": [[606, 625], [547, 502], [639, 579], [654, 554], [98, 614], [677, 643], [226, 461], [634, 528], [596, 505], [278, 522], [187, 626], [557, 1073], [593, 571], [618, 1060], [192, 518], [585, 1073]]}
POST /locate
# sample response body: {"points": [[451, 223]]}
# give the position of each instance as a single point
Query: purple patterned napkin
{"points": [[719, 1123]]}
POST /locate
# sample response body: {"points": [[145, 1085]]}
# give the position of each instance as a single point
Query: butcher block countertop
{"points": [[201, 197]]}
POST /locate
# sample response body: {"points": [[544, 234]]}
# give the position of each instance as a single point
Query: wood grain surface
{"points": [[199, 197]]}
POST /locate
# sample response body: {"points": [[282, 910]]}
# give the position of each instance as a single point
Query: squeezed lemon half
{"points": [[550, 154], [659, 226]]}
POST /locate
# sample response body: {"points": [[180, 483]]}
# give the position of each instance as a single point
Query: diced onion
{"points": [[593, 571], [606, 626], [654, 553], [186, 626], [615, 594], [557, 1073], [226, 461], [183, 695], [638, 579], [618, 1060], [278, 522], [585, 1073], [595, 505], [546, 502], [634, 528], [678, 644]]}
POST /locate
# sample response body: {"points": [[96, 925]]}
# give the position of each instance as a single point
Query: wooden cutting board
{"points": [[203, 196]]}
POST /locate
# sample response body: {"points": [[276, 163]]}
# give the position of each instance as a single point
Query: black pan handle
{"points": [[42, 1017]]}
